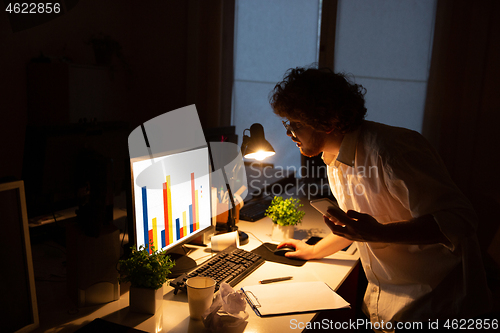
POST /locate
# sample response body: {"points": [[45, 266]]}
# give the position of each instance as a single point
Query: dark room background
{"points": [[170, 55], [176, 53]]}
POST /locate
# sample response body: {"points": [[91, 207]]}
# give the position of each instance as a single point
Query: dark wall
{"points": [[148, 80], [463, 103]]}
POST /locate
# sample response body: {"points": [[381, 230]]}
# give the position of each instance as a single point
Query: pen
{"points": [[276, 279]]}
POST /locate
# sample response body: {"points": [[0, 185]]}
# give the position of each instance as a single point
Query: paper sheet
{"points": [[293, 297]]}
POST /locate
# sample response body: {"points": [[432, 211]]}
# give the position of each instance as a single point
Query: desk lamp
{"points": [[255, 147]]}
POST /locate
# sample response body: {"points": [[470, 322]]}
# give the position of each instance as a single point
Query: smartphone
{"points": [[313, 240], [322, 206]]}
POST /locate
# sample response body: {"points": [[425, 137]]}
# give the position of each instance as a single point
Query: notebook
{"points": [[277, 298]]}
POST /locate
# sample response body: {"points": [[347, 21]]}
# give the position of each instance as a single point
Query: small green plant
{"points": [[144, 270], [285, 211]]}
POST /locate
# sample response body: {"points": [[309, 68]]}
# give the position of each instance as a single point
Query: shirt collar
{"points": [[347, 151]]}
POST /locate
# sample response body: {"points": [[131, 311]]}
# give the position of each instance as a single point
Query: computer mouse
{"points": [[282, 250]]}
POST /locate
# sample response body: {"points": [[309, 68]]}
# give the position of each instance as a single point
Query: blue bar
{"points": [[178, 225], [191, 226], [145, 216], [163, 243]]}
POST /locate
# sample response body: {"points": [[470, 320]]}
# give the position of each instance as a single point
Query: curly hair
{"points": [[319, 98]]}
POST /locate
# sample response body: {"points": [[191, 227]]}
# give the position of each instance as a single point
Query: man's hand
{"points": [[364, 228], [302, 250], [354, 226]]}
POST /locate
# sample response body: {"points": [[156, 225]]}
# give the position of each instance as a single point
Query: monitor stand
{"points": [[183, 264]]}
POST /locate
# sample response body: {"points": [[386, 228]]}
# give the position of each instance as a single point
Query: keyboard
{"points": [[254, 211], [230, 265]]}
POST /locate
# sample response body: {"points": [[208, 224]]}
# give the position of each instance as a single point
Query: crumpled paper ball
{"points": [[227, 310]]}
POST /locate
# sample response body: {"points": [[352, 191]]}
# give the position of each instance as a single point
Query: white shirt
{"points": [[394, 174]]}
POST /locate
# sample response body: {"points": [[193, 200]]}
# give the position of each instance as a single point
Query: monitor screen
{"points": [[174, 205]]}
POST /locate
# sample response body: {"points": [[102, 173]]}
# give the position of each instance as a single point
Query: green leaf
{"points": [[144, 270], [285, 212]]}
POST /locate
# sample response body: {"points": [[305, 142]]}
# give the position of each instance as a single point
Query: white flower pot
{"points": [[281, 233], [145, 300]]}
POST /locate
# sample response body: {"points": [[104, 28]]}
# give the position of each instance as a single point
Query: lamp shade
{"points": [[256, 146]]}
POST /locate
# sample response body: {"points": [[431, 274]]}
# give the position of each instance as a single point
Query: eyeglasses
{"points": [[289, 128]]}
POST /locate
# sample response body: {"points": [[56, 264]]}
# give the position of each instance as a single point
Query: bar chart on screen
{"points": [[177, 208]]}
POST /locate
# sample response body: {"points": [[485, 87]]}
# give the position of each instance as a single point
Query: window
{"points": [[385, 45], [270, 37]]}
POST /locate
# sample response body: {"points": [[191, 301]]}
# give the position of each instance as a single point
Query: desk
{"points": [[173, 316]]}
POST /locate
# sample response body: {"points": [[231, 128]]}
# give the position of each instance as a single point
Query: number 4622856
{"points": [[33, 8]]}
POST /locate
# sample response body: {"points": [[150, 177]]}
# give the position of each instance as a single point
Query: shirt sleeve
{"points": [[416, 176]]}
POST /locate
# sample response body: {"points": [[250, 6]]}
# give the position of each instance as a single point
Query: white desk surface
{"points": [[173, 316]]}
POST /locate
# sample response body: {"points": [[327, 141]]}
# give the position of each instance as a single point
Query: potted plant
{"points": [[146, 273], [285, 214]]}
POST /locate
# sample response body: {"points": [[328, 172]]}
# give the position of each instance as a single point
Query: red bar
{"points": [[165, 210], [193, 206], [150, 233]]}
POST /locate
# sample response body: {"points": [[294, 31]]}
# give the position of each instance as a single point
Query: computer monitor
{"points": [[171, 199]]}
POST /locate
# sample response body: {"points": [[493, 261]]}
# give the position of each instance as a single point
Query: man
{"points": [[414, 230]]}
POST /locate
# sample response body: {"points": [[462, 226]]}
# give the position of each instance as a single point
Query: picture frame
{"points": [[17, 283]]}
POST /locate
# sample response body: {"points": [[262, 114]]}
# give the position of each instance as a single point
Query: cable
{"points": [[264, 244], [211, 255], [55, 247]]}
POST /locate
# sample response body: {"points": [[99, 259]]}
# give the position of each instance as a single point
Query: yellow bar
{"points": [[171, 222], [196, 210], [184, 223], [155, 234]]}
